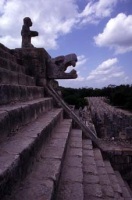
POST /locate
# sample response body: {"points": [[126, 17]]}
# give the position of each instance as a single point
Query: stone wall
{"points": [[35, 62], [122, 162], [110, 121]]}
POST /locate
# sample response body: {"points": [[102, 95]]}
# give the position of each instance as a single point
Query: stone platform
{"points": [[42, 155]]}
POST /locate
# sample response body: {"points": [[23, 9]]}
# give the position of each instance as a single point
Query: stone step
{"points": [[125, 191], [11, 65], [10, 77], [43, 177], [113, 179], [10, 94], [104, 180], [91, 184], [4, 48], [71, 180], [13, 117], [7, 55]]}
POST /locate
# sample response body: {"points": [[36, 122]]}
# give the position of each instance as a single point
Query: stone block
{"points": [[88, 153], [4, 63], [91, 179], [128, 131], [30, 81], [72, 174], [49, 169], [71, 191], [90, 169], [4, 124], [4, 48], [26, 80], [76, 151], [8, 77], [73, 161], [34, 60], [5, 95], [93, 190]]}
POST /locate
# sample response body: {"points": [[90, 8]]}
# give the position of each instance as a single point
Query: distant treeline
{"points": [[120, 96]]}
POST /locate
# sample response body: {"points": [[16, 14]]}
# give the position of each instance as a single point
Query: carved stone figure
{"points": [[26, 33], [57, 66]]}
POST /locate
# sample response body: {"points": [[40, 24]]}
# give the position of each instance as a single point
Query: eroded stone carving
{"points": [[57, 66], [26, 33]]}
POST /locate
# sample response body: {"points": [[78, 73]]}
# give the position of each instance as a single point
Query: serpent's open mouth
{"points": [[70, 63]]}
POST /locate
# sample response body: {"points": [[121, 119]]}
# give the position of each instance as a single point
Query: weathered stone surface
{"points": [[14, 117], [18, 159], [108, 191], [87, 152], [71, 191], [91, 169], [109, 121], [48, 169], [57, 66], [125, 192], [88, 160], [87, 146], [55, 152], [92, 190], [27, 33], [102, 170], [99, 163], [7, 55], [26, 80], [7, 77], [76, 133], [76, 144], [70, 185], [15, 93], [72, 174], [113, 179], [4, 48], [45, 173], [35, 62], [9, 65], [57, 143], [105, 183], [74, 161], [91, 179], [34, 190], [76, 151], [29, 128], [104, 179]]}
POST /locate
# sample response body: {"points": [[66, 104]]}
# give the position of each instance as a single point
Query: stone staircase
{"points": [[100, 181], [42, 156]]}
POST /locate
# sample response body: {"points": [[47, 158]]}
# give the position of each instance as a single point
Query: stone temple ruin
{"points": [[46, 152], [109, 121]]}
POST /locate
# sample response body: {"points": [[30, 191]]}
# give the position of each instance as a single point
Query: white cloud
{"points": [[117, 34], [108, 72], [50, 18], [81, 60], [2, 2], [94, 11]]}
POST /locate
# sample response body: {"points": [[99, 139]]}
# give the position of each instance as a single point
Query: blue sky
{"points": [[98, 31]]}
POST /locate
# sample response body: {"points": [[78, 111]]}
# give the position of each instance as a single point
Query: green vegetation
{"points": [[120, 96]]}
